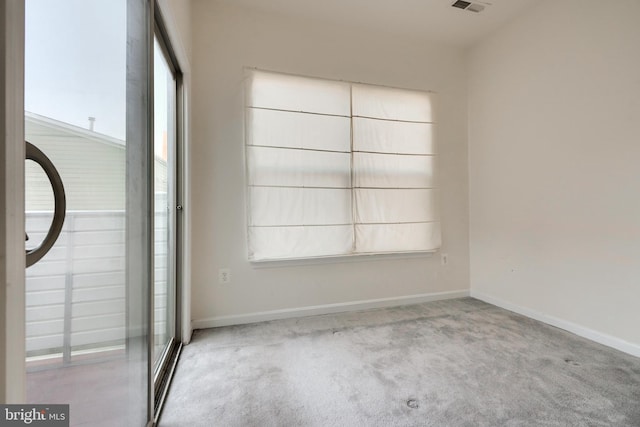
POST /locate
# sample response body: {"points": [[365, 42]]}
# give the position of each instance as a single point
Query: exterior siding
{"points": [[93, 172]]}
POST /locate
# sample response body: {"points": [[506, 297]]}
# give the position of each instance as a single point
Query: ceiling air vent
{"points": [[467, 5], [461, 4]]}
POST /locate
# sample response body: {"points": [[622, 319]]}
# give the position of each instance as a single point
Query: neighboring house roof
{"points": [[92, 166], [56, 128]]}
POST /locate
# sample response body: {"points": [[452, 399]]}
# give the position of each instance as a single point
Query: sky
{"points": [[75, 64]]}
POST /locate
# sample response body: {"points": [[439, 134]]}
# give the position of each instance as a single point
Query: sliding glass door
{"points": [[101, 305]]}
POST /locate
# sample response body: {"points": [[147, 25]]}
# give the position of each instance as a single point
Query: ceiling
{"points": [[429, 19]]}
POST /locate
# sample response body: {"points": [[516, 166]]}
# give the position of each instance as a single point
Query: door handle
{"points": [[60, 204]]}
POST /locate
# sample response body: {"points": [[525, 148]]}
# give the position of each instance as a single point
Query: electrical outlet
{"points": [[445, 259], [224, 276]]}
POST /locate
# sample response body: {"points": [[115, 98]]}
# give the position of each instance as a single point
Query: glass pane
{"points": [[164, 189], [87, 319]]}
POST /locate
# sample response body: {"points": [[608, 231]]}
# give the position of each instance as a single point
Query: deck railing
{"points": [[76, 296]]}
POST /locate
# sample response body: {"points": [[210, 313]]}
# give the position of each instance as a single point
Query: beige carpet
{"points": [[448, 363]]}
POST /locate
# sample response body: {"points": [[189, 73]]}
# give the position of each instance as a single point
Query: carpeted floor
{"points": [[447, 363]]}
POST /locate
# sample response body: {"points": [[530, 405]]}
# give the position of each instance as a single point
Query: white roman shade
{"points": [[336, 169], [393, 168]]}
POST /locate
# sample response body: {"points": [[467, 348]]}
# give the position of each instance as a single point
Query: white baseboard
{"points": [[239, 319], [599, 337]]}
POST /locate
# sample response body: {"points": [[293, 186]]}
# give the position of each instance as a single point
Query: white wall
{"points": [[227, 38], [554, 109]]}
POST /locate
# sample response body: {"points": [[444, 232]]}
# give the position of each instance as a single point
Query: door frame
{"points": [[12, 152], [173, 34], [175, 177]]}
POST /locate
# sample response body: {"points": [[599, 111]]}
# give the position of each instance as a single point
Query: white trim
{"points": [[186, 204], [262, 316], [12, 151], [583, 331], [339, 259]]}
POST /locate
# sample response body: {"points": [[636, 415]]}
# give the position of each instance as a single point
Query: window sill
{"points": [[340, 259]]}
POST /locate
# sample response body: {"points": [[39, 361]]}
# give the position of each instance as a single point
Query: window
{"points": [[337, 168]]}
